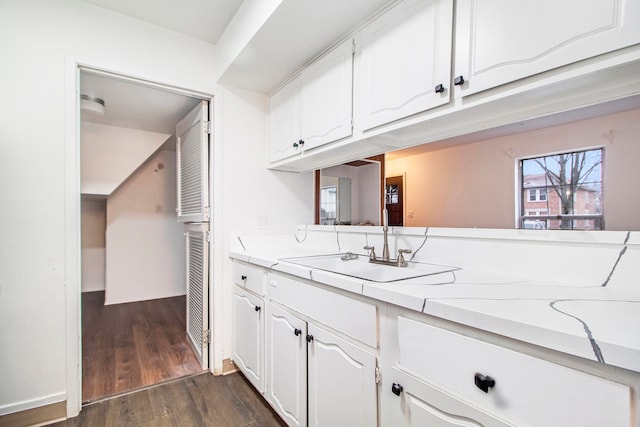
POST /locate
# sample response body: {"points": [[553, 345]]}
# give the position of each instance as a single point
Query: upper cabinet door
{"points": [[284, 122], [327, 97], [501, 41], [192, 151], [405, 62]]}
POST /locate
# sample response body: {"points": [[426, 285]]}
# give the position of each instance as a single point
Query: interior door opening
{"points": [[133, 251], [394, 200]]}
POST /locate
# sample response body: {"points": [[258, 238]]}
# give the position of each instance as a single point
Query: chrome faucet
{"points": [[385, 230], [386, 259]]}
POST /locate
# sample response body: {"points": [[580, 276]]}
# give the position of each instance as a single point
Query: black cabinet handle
{"points": [[483, 382], [458, 81], [439, 88], [309, 338], [396, 389], [297, 332], [301, 142], [295, 145], [243, 277], [257, 308]]}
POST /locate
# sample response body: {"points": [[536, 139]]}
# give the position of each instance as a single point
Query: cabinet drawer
{"points": [[248, 277], [527, 390], [352, 317]]}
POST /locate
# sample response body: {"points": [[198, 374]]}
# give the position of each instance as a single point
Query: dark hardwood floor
{"points": [[128, 346], [199, 400]]}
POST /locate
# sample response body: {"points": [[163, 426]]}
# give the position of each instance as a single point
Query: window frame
{"points": [[524, 196]]}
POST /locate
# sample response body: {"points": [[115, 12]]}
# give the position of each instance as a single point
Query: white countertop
{"points": [[591, 321]]}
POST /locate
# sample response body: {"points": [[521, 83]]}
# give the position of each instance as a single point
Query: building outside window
{"points": [[562, 191]]}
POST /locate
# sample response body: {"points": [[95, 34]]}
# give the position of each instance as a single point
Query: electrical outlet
{"points": [[409, 214]]}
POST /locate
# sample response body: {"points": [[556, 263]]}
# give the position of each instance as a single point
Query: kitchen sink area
{"points": [[358, 266]]}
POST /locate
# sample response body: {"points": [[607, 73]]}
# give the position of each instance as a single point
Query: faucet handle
{"points": [[401, 260], [372, 251]]}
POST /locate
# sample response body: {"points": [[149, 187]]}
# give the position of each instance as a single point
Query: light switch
{"points": [[409, 214]]}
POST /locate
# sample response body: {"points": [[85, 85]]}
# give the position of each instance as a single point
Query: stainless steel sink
{"points": [[360, 267]]}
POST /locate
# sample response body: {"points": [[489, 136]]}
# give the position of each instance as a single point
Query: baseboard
{"points": [[42, 415], [228, 367]]}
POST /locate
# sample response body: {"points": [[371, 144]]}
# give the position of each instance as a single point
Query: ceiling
{"points": [[203, 19], [134, 105]]}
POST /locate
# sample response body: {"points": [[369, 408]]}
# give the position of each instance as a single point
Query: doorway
{"points": [[133, 325], [394, 200]]}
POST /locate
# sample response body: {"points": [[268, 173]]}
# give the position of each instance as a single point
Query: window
{"points": [[328, 205], [537, 194], [542, 194], [562, 191]]}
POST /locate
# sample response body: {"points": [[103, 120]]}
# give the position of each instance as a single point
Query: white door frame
{"points": [[72, 220]]}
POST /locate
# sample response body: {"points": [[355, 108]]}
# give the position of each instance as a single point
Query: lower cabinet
{"points": [[433, 376], [248, 336], [416, 403], [315, 377]]}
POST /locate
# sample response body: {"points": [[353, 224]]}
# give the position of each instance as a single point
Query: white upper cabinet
{"points": [[405, 62], [284, 122], [315, 108], [327, 95], [500, 41]]}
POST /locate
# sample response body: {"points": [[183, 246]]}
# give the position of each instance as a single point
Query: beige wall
{"points": [[474, 185], [145, 256]]}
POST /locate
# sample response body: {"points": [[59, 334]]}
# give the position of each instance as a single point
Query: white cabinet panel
{"points": [[315, 108], [342, 387], [527, 389], [287, 365], [327, 95], [352, 317], [418, 404], [248, 277], [248, 336], [405, 55], [284, 122], [498, 42]]}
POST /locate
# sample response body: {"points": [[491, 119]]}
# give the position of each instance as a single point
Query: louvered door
{"points": [[192, 150], [197, 251]]}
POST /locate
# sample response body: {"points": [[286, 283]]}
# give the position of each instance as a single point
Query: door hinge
{"points": [[208, 127], [206, 337], [378, 375], [208, 236], [206, 210]]}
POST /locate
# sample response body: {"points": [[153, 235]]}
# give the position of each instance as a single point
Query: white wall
{"points": [[44, 39], [145, 256], [369, 193], [254, 200], [474, 185], [109, 154], [39, 40], [94, 223]]}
